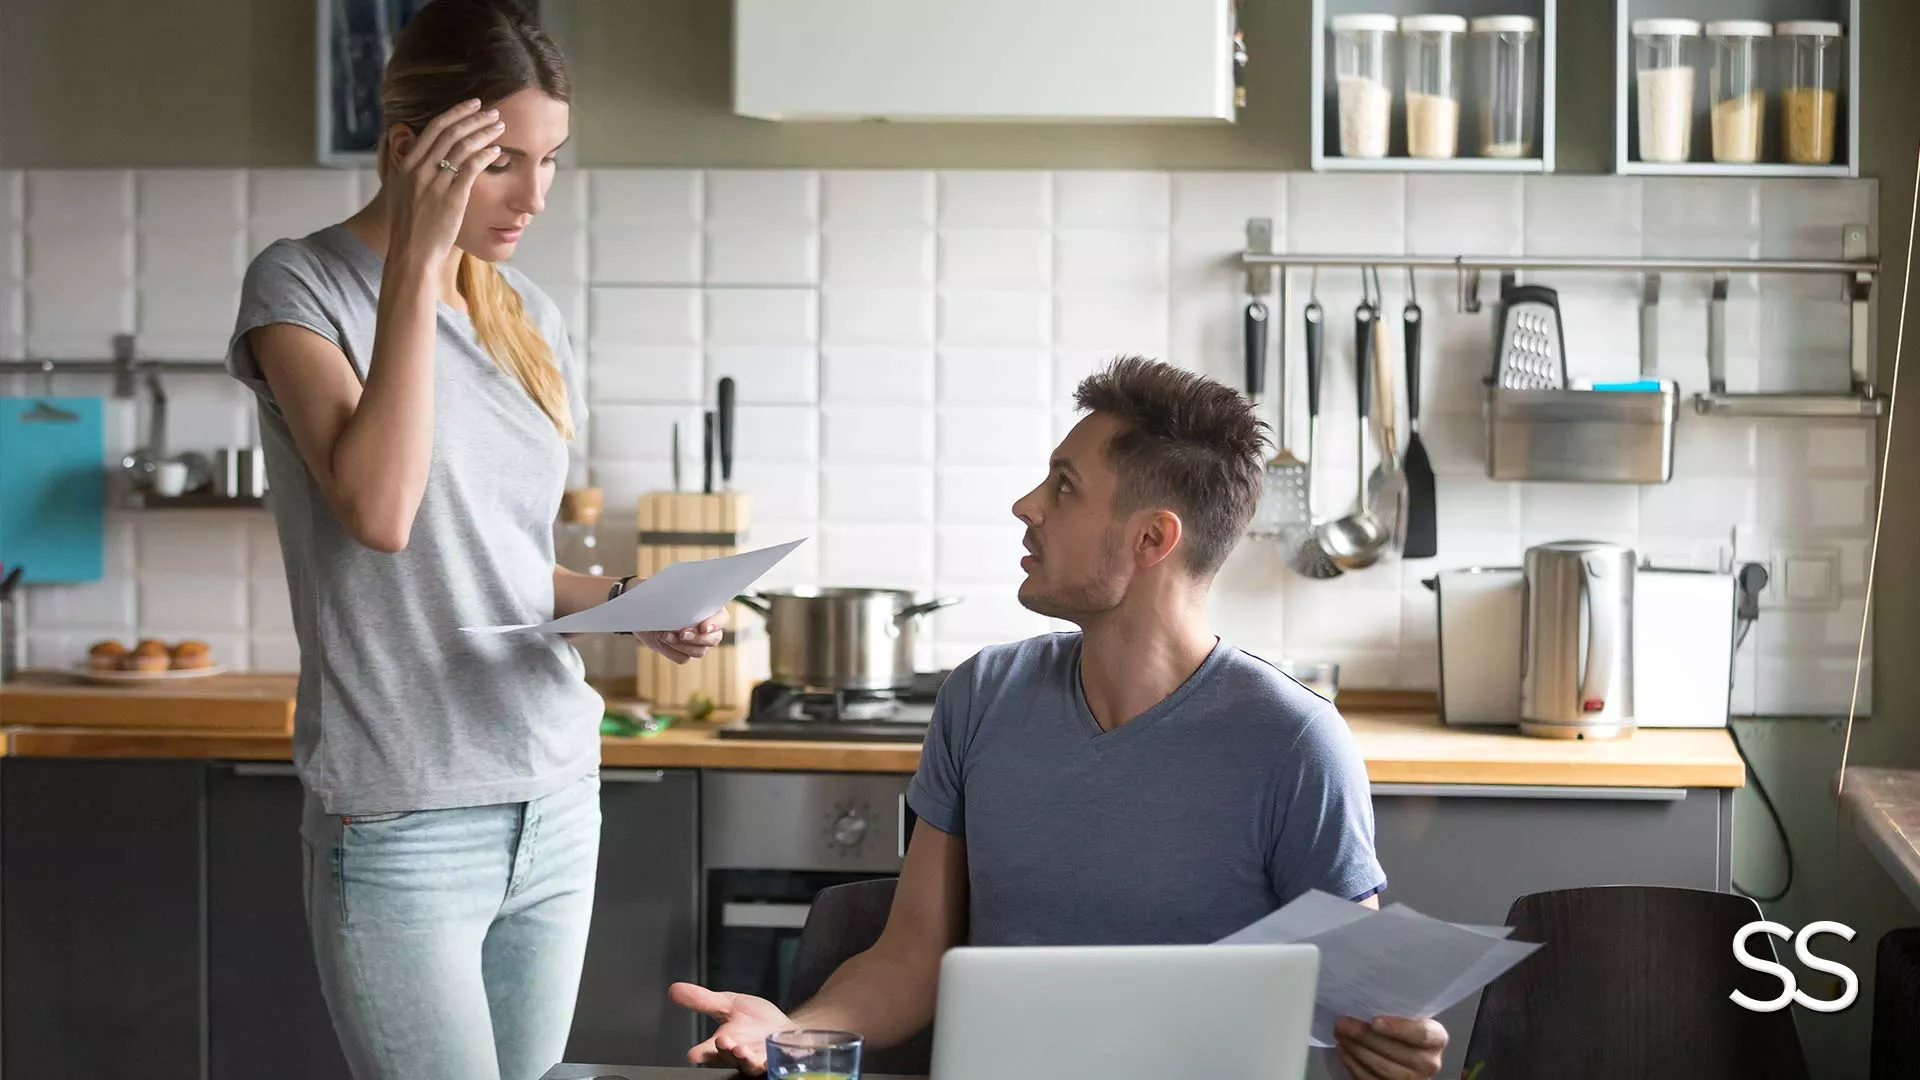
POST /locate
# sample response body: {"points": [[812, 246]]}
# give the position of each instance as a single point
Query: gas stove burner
{"points": [[858, 706]]}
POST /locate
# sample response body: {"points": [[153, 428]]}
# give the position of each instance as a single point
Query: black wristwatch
{"points": [[620, 586]]}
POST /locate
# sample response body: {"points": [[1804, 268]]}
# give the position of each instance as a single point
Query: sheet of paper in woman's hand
{"points": [[680, 595]]}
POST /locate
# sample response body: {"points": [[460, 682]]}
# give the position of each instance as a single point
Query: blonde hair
{"points": [[450, 51]]}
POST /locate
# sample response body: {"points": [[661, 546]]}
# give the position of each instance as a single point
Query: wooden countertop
{"points": [[1398, 735], [262, 703], [1885, 807]]}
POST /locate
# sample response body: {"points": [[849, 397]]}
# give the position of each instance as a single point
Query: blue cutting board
{"points": [[53, 490]]}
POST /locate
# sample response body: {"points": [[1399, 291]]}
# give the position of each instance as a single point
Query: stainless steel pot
{"points": [[842, 639]]}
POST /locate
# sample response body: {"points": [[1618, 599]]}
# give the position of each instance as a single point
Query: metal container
{"points": [[842, 639], [239, 472], [1581, 436], [9, 638], [1576, 640]]}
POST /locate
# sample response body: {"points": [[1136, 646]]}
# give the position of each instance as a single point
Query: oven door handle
{"points": [[763, 916]]}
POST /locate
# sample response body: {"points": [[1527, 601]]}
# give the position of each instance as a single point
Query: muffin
{"points": [[192, 654], [106, 656], [149, 655]]}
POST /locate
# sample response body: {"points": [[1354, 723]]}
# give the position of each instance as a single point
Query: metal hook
{"points": [[1413, 294]]}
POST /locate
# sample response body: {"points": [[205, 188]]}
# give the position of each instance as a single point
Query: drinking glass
{"points": [[814, 1055]]}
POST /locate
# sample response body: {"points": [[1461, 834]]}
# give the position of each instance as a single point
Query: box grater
{"points": [[1531, 352]]}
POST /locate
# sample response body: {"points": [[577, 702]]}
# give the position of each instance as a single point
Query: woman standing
{"points": [[416, 409]]}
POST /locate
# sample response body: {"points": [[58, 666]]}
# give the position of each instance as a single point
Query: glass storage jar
{"points": [[1809, 90], [1361, 64], [1664, 79], [1506, 62], [1430, 50], [1737, 90]]}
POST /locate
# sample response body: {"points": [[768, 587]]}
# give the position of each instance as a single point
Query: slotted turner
{"points": [[1283, 484]]}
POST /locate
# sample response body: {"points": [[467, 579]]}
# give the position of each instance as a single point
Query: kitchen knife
{"points": [[726, 433], [706, 463]]}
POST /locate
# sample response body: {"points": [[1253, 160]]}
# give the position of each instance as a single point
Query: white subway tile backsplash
{"points": [[193, 602], [779, 492], [767, 376], [864, 198], [1346, 213], [268, 606], [995, 200], [1123, 322], [987, 554], [301, 200], [1112, 200], [666, 197], [1583, 215], [628, 253], [904, 364], [983, 436], [875, 434], [877, 494], [763, 196], [61, 199], [775, 434], [1223, 201], [994, 318], [635, 316], [983, 494], [877, 316], [995, 377], [877, 556], [868, 375], [1465, 215], [207, 413], [1110, 259], [761, 317], [750, 254], [644, 433], [644, 373], [187, 200], [877, 258], [995, 258]]}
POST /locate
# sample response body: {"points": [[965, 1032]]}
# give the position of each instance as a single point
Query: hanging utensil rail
{"points": [[123, 367]]}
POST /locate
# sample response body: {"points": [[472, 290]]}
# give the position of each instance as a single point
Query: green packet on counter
{"points": [[624, 726]]}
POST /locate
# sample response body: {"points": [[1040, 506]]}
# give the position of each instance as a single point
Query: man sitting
{"points": [[1139, 782]]}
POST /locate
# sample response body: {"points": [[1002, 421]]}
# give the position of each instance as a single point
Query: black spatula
{"points": [[1422, 540]]}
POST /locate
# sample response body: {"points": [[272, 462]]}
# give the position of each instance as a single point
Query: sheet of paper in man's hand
{"points": [[1396, 962], [680, 595]]}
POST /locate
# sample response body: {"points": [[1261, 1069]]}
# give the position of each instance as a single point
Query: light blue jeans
{"points": [[449, 942]]}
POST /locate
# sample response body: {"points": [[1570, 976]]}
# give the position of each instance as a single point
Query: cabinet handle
{"points": [[633, 776], [263, 768], [900, 829], [1535, 791], [764, 916]]}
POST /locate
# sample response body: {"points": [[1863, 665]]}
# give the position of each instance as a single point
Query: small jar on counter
{"points": [[1809, 90], [1506, 62], [1738, 93], [1361, 64], [1663, 79], [1430, 49]]}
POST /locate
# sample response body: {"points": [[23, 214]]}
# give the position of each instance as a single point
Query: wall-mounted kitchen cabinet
{"points": [[1433, 85], [1009, 60], [1737, 87]]}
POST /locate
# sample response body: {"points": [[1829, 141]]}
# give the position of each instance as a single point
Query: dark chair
{"points": [[846, 920], [1896, 1006], [1633, 981]]}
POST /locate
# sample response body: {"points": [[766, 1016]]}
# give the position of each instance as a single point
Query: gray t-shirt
{"points": [[398, 709], [1235, 794]]}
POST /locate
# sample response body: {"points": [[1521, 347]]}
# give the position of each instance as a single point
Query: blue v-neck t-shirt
{"points": [[1238, 792]]}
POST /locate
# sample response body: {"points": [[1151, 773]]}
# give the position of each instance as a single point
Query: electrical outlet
{"points": [[1803, 579]]}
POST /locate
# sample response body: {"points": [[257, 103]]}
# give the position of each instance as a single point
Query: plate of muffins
{"points": [[150, 660]]}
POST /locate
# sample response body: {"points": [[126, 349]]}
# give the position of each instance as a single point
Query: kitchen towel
{"points": [[53, 495]]}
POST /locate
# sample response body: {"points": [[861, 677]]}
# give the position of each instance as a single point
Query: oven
{"points": [[770, 841]]}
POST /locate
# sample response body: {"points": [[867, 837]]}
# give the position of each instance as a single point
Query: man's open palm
{"points": [[745, 1023]]}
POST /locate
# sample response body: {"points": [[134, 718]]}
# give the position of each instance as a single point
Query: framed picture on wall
{"points": [[354, 40]]}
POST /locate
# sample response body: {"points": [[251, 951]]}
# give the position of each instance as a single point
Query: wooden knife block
{"points": [[681, 527]]}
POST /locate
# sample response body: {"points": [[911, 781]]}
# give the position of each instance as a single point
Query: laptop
{"points": [[1127, 1012]]}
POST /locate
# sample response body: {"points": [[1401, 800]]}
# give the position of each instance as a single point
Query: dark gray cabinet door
{"points": [[265, 1013], [100, 918], [646, 921]]}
